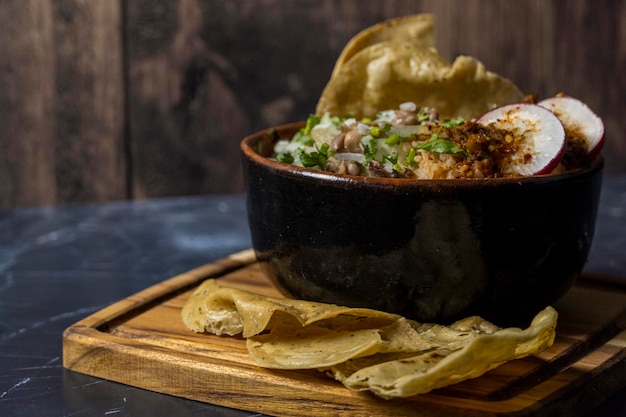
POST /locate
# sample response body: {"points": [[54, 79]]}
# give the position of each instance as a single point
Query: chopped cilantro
{"points": [[303, 138], [285, 157], [370, 147], [434, 144], [316, 158], [325, 149], [453, 123], [391, 158], [310, 159], [311, 122]]}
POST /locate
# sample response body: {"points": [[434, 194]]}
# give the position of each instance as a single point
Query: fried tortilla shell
{"points": [[418, 30], [390, 377], [386, 74], [221, 310], [316, 346], [364, 349]]}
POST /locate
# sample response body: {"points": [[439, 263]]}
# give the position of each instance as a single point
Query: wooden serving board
{"points": [[141, 341]]}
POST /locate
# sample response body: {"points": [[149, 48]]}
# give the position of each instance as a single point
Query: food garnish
{"points": [[538, 134], [520, 139], [393, 107], [584, 129]]}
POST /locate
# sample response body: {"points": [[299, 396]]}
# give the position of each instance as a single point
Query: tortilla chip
{"points": [[315, 346], [364, 349], [390, 377], [386, 74], [418, 30], [220, 310]]}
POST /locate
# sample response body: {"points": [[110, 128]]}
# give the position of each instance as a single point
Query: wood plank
{"points": [[91, 162], [498, 34], [27, 114], [141, 341], [62, 107], [201, 75], [186, 119], [588, 60]]}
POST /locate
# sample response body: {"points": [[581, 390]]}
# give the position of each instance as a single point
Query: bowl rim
{"points": [[248, 151]]}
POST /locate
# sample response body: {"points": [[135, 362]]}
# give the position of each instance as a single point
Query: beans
{"points": [[352, 140], [343, 167], [353, 168], [337, 143], [433, 115], [347, 142], [404, 117]]}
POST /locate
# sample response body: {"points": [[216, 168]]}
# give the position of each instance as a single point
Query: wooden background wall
{"points": [[114, 99]]}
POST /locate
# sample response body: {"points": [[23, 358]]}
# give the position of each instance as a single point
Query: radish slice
{"points": [[579, 121], [542, 142]]}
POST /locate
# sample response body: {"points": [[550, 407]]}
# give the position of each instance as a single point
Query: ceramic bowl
{"points": [[431, 250]]}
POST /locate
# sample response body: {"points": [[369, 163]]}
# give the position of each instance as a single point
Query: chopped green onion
{"points": [[375, 131], [423, 114], [410, 157], [393, 139]]}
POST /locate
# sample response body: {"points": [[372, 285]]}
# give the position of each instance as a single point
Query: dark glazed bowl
{"points": [[431, 250]]}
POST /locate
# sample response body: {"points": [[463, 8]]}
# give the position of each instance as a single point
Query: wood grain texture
{"points": [[214, 71], [89, 103], [588, 60], [27, 119], [185, 117], [62, 102], [142, 341], [111, 99]]}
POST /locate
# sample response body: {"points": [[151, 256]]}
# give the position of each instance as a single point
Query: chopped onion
{"points": [[349, 122], [363, 129], [350, 156], [406, 131], [408, 106]]}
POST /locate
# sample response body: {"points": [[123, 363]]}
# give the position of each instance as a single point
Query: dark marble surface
{"points": [[58, 265]]}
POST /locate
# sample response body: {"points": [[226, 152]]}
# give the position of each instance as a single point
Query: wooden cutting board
{"points": [[141, 341]]}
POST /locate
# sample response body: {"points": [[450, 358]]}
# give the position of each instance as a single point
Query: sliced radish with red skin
{"points": [[542, 137], [579, 121]]}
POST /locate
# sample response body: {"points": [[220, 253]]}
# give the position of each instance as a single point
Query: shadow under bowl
{"points": [[430, 250]]}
